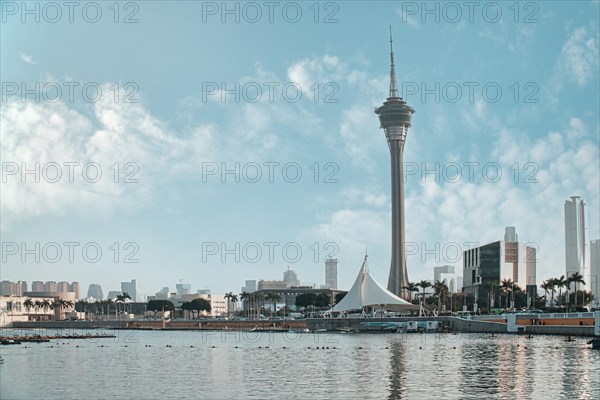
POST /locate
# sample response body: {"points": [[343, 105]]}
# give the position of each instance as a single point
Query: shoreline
{"points": [[569, 325]]}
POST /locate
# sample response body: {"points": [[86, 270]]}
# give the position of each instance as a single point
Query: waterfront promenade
{"points": [[574, 324]]}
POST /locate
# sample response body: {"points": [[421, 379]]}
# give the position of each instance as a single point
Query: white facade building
{"points": [[331, 273], [447, 274], [575, 236], [594, 278]]}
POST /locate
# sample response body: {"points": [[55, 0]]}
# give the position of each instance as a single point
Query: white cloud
{"points": [[319, 70], [37, 135], [27, 58], [579, 55]]}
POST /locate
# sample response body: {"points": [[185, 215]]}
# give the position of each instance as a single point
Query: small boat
{"points": [[1, 360], [300, 330], [7, 342]]}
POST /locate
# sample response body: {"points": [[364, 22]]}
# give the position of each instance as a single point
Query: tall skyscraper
{"points": [[331, 273], [394, 117], [249, 287], [511, 243], [575, 236], [531, 274], [130, 288], [291, 277], [37, 286], [594, 280], [95, 291]]}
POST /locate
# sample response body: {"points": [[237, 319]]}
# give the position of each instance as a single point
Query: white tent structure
{"points": [[366, 292]]}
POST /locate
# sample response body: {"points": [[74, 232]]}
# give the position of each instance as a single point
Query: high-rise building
{"points": [[510, 234], [485, 267], [63, 287], [530, 275], [249, 286], [594, 279], [331, 273], [130, 288], [74, 287], [183, 288], [574, 236], [113, 294], [95, 291], [22, 288], [394, 117], [511, 244], [291, 277], [37, 286], [6, 288], [51, 286]]}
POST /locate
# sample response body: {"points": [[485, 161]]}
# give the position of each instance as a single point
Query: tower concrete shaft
{"points": [[395, 116]]}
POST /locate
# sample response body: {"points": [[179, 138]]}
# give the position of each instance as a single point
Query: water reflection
{"points": [[397, 370]]}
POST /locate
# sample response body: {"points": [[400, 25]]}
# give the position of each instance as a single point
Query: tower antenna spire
{"points": [[393, 84]]}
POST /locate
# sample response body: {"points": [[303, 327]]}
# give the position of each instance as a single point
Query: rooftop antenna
{"points": [[393, 84]]}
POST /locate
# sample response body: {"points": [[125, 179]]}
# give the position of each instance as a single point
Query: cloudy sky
{"points": [[183, 141]]}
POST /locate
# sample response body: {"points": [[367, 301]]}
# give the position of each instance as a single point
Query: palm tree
{"points": [[274, 297], [45, 305], [28, 303], [546, 285], [412, 287], [243, 297], [440, 290], [561, 282], [36, 305], [57, 305], [121, 298], [424, 285], [109, 302], [506, 286], [231, 298], [234, 300], [577, 279]]}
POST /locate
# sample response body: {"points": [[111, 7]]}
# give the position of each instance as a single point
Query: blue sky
{"points": [[179, 218]]}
